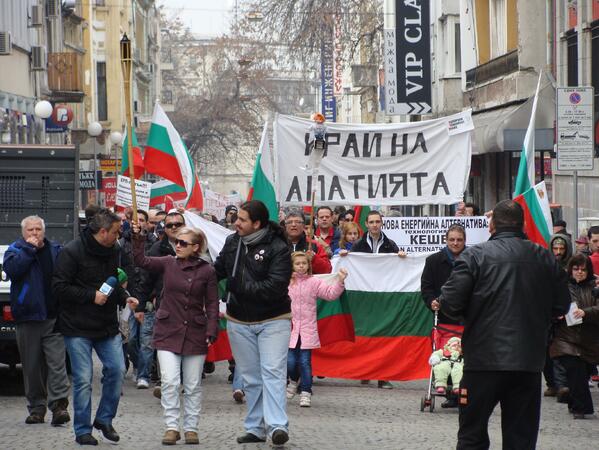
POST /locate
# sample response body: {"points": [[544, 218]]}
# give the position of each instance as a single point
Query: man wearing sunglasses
{"points": [[151, 286]]}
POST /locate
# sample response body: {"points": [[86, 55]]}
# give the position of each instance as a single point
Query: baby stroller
{"points": [[440, 334]]}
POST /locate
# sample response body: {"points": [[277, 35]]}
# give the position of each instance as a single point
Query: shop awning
{"points": [[490, 125]]}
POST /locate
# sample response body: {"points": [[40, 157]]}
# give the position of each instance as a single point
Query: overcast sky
{"points": [[204, 17]]}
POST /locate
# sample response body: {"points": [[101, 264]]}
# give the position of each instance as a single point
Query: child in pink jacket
{"points": [[304, 289]]}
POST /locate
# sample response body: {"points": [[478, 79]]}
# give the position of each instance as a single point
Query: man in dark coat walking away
{"points": [[507, 290], [29, 263], [88, 320]]}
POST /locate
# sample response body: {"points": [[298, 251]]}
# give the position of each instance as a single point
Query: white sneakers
{"points": [[142, 384], [305, 399], [291, 389]]}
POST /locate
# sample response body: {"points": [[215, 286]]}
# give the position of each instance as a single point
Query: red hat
{"points": [[582, 239]]}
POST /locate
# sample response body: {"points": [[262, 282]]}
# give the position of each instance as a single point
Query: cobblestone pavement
{"points": [[344, 415]]}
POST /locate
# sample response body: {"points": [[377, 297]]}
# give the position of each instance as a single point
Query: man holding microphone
{"points": [[85, 283]]}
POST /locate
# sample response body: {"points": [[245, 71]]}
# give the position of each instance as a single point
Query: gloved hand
{"points": [[211, 340], [434, 360]]}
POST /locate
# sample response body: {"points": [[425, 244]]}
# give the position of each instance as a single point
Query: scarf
{"points": [[254, 238]]}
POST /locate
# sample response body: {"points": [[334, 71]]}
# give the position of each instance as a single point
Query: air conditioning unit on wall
{"points": [[37, 16], [5, 43], [38, 58], [53, 8]]}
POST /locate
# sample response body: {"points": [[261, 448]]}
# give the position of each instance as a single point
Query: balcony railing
{"points": [[496, 68], [65, 72]]}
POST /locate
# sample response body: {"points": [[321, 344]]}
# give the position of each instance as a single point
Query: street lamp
{"points": [[94, 129], [115, 139], [43, 109]]}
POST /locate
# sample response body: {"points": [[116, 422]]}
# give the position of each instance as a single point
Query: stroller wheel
{"points": [[432, 404], [422, 403]]}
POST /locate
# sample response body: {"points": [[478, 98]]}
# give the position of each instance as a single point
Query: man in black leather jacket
{"points": [[507, 290], [257, 264]]}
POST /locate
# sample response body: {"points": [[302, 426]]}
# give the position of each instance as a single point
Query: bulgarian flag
{"points": [[526, 170], [138, 162], [537, 214], [262, 187], [167, 194], [167, 156], [533, 198], [392, 325], [361, 213]]}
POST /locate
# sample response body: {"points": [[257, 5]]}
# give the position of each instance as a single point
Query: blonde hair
{"points": [[296, 255], [346, 228], [197, 237]]}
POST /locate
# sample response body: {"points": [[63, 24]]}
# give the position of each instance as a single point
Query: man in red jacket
{"points": [[593, 235], [298, 241]]}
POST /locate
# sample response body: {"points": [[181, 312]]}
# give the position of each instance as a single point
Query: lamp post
{"points": [[43, 109], [94, 129], [115, 139], [126, 65]]}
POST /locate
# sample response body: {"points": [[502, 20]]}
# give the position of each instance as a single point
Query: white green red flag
{"points": [[262, 187], [533, 198], [538, 224], [379, 329], [526, 170], [167, 195], [138, 162], [167, 156], [391, 323]]}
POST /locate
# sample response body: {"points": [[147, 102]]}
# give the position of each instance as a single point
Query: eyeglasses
{"points": [[579, 269], [173, 225], [294, 222], [182, 243]]}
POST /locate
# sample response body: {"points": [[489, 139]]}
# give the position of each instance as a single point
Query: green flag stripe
{"points": [[166, 190], [328, 308], [389, 314], [159, 139]]}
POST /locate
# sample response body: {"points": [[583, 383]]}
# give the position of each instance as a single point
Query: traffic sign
{"points": [[574, 112]]}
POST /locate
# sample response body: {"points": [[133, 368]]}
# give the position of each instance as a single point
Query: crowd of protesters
{"points": [[158, 274]]}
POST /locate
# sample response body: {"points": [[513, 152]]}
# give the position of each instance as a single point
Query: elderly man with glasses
{"points": [[298, 241]]}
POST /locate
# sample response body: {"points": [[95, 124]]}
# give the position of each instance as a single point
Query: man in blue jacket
{"points": [[29, 264]]}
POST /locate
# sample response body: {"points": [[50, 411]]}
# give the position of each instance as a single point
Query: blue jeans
{"points": [[299, 367], [110, 352], [260, 352], [140, 345], [237, 381]]}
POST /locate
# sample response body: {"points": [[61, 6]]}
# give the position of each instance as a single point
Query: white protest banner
{"points": [[215, 202], [427, 234], [410, 163], [142, 193]]}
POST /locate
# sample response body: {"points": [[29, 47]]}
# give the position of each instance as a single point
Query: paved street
{"points": [[344, 415]]}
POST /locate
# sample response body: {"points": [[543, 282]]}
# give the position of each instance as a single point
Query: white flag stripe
{"points": [[266, 158], [379, 273]]}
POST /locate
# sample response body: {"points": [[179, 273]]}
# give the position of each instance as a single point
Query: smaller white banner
{"points": [[142, 193], [427, 234], [215, 202]]}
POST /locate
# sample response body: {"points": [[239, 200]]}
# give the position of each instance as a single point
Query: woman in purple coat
{"points": [[186, 323]]}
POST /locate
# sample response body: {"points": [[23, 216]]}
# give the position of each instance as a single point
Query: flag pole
{"points": [[126, 63]]}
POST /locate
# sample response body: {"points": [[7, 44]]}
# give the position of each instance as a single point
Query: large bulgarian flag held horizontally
{"points": [[167, 156], [392, 324], [533, 198]]}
